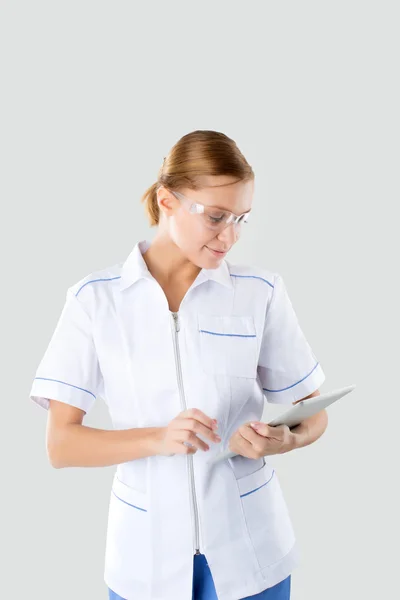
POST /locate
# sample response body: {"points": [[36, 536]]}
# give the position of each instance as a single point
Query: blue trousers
{"points": [[203, 585]]}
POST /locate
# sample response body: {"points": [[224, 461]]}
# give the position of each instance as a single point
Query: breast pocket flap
{"points": [[228, 344]]}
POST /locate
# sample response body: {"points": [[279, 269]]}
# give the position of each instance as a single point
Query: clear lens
{"points": [[217, 219], [213, 218]]}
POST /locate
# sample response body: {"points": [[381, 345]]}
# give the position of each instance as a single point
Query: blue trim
{"points": [[94, 280], [230, 334], [253, 277], [138, 507], [114, 596], [119, 277], [290, 386], [247, 493], [70, 384]]}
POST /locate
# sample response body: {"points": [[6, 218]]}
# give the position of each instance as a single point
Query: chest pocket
{"points": [[228, 345]]}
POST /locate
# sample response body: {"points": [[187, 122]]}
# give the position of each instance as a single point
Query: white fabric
{"points": [[239, 343]]}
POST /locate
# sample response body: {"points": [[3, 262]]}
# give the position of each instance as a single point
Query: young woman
{"points": [[184, 347]]}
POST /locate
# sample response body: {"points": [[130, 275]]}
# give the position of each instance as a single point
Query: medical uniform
{"points": [[234, 343]]}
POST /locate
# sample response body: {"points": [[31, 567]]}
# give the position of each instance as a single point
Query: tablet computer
{"points": [[297, 413]]}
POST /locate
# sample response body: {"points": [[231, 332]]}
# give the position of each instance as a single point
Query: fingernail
{"points": [[255, 425]]}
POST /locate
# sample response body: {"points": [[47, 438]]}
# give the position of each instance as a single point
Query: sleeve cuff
{"points": [[44, 389], [304, 387]]}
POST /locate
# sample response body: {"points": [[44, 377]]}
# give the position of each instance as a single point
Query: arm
{"points": [[71, 444], [309, 430]]}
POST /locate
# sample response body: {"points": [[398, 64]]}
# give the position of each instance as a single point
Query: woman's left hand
{"points": [[261, 441]]}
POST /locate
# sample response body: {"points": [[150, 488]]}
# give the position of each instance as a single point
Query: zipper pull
{"points": [[176, 321]]}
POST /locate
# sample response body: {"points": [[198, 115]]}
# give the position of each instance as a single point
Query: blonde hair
{"points": [[197, 154]]}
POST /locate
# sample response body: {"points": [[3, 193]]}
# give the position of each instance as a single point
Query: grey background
{"points": [[93, 95]]}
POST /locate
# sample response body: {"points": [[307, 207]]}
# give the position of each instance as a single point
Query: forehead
{"points": [[224, 193]]}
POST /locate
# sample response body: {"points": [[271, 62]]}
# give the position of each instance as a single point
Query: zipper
{"points": [[176, 326]]}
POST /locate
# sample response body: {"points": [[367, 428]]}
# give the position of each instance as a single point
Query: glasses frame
{"points": [[198, 208]]}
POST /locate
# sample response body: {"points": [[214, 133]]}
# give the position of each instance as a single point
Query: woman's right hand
{"points": [[182, 430]]}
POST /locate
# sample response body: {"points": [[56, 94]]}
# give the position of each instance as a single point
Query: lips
{"points": [[217, 252]]}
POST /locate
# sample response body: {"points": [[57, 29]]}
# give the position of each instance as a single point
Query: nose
{"points": [[228, 235]]}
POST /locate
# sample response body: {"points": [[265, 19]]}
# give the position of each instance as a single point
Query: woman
{"points": [[183, 345]]}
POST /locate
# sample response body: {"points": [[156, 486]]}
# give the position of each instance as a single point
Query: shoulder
{"points": [[95, 286], [252, 275]]}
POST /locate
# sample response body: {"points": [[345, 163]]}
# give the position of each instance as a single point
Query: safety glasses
{"points": [[213, 218]]}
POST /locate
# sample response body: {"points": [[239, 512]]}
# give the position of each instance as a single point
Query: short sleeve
{"points": [[69, 370], [287, 368]]}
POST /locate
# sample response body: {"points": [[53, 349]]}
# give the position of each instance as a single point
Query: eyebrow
{"points": [[226, 210], [212, 205]]}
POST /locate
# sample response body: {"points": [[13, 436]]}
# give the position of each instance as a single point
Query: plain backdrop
{"points": [[92, 97]]}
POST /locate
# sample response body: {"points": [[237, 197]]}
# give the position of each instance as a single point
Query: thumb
{"points": [[260, 428]]}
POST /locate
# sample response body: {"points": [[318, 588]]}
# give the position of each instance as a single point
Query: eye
{"points": [[216, 217]]}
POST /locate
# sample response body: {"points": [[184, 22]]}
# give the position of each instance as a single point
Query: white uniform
{"points": [[234, 342]]}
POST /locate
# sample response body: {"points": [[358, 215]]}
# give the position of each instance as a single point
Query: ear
{"points": [[167, 202]]}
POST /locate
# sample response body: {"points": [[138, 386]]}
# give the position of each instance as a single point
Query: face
{"points": [[188, 231]]}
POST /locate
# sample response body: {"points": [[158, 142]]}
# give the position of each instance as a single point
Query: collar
{"points": [[135, 268]]}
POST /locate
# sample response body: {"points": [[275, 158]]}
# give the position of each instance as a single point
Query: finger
{"points": [[263, 429], [199, 415], [185, 436], [198, 427], [277, 432], [240, 445], [187, 449], [247, 432]]}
